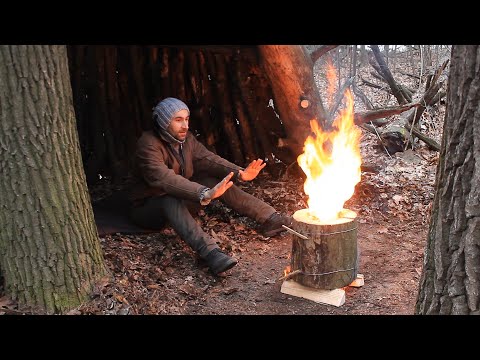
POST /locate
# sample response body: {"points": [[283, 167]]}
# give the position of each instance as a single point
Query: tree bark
{"points": [[136, 58], [363, 55], [328, 259], [297, 98], [450, 280], [246, 134], [210, 111], [50, 254], [353, 68], [177, 66], [253, 93], [226, 111], [104, 120], [194, 78]]}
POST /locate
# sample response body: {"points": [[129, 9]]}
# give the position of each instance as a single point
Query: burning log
{"points": [[324, 255], [324, 249]]}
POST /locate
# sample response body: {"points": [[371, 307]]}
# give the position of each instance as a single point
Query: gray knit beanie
{"points": [[164, 111]]}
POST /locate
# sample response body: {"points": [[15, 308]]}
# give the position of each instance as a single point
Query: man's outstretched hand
{"points": [[220, 188], [252, 170]]}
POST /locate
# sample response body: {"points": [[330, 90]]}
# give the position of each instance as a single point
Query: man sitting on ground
{"points": [[175, 169]]}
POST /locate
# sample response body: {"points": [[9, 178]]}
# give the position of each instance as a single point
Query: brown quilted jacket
{"points": [[161, 170]]}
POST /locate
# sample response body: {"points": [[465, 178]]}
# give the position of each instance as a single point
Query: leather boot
{"points": [[273, 225], [219, 262]]}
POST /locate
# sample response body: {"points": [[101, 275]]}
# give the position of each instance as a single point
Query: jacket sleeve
{"points": [[212, 164], [157, 174]]}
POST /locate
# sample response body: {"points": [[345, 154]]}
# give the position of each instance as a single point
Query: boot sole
{"points": [[230, 264]]}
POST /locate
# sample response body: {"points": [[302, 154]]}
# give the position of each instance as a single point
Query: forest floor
{"points": [[159, 274]]}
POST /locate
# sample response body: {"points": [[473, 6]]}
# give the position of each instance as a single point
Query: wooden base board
{"points": [[335, 297]]}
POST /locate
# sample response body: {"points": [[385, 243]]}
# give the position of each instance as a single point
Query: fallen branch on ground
{"points": [[367, 116]]}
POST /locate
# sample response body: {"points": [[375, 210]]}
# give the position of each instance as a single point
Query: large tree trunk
{"points": [[450, 282], [297, 99], [50, 254]]}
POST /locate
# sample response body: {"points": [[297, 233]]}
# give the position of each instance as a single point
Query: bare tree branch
{"points": [[363, 97], [322, 50], [432, 144], [438, 97], [338, 99], [367, 116], [406, 91], [376, 86], [384, 71], [407, 74]]}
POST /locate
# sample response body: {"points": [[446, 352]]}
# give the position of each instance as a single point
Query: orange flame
{"points": [[331, 160], [286, 271], [332, 81]]}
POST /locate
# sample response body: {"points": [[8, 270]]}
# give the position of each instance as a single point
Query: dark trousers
{"points": [[158, 211]]}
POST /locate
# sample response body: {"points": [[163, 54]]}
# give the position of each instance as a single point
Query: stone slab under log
{"points": [[324, 255]]}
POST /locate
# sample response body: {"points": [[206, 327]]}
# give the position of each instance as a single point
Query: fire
{"points": [[331, 160], [332, 81], [286, 271]]}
